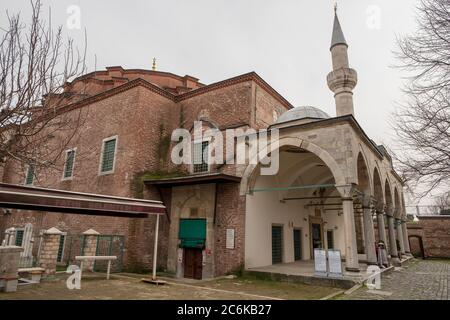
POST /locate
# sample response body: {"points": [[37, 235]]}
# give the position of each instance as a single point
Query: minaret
{"points": [[342, 79]]}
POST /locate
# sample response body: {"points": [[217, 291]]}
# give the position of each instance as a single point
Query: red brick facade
{"points": [[142, 108]]}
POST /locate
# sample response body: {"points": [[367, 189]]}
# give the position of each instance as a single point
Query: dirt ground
{"points": [[95, 286]]}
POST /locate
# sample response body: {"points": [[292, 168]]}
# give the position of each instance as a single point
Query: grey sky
{"points": [[286, 42]]}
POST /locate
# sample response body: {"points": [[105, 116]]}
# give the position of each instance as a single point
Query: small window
{"points": [[68, 166], [200, 155], [330, 239], [109, 150], [19, 237], [30, 175], [62, 241]]}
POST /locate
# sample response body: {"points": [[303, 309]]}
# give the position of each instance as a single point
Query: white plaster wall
{"points": [[264, 209]]}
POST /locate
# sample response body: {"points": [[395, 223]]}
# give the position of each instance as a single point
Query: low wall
{"points": [[434, 232]]}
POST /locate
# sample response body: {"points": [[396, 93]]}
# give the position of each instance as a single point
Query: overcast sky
{"points": [[286, 42]]}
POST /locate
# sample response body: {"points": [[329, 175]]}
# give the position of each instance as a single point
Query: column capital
{"points": [[367, 200], [389, 211], [346, 191]]}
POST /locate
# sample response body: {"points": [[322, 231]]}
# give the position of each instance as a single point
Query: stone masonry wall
{"points": [[435, 232]]}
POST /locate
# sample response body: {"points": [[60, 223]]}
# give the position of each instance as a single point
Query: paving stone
{"points": [[421, 280]]}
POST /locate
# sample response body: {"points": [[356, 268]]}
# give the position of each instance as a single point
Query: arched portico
{"points": [[252, 169], [380, 209], [312, 212], [398, 223], [364, 185], [390, 209]]}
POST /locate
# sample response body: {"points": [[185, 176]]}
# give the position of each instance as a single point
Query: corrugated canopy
{"points": [[43, 199]]}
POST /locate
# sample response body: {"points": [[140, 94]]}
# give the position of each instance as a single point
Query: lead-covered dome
{"points": [[303, 112]]}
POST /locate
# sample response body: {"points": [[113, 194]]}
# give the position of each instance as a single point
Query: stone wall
{"points": [[435, 234]]}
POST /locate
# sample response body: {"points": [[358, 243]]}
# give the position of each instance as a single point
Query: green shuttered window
{"points": [[19, 238], [61, 248], [192, 233], [30, 175], [68, 168], [109, 149], [200, 155]]}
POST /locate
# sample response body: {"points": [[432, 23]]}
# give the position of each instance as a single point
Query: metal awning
{"points": [[52, 200], [194, 179]]}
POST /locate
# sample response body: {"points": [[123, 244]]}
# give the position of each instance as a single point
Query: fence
{"points": [[70, 246], [29, 240], [110, 245]]}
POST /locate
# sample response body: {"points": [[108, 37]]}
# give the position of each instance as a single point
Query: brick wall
{"points": [[143, 121], [435, 233], [230, 214]]}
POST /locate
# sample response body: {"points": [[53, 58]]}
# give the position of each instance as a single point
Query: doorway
{"points": [[297, 244], [193, 263], [277, 244], [316, 233]]}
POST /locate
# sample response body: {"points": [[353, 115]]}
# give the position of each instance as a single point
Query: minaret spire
{"points": [[338, 35], [154, 64], [342, 79]]}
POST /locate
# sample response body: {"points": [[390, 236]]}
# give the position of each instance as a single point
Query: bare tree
{"points": [[36, 62], [423, 121]]}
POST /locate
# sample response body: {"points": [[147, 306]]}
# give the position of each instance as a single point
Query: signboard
{"points": [[180, 255], [320, 262], [230, 239], [335, 264]]}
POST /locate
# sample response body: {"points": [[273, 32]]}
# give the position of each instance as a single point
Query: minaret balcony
{"points": [[342, 79]]}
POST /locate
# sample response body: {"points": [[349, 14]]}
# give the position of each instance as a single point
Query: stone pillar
{"points": [[90, 248], [398, 226], [351, 252], [392, 239], [405, 237], [369, 233], [381, 227], [49, 250], [9, 265]]}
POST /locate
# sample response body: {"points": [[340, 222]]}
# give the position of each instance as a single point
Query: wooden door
{"points": [[193, 263]]}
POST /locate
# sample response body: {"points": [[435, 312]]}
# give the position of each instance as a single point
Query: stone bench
{"points": [[94, 258], [35, 273]]}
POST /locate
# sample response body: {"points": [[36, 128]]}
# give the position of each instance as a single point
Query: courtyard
{"points": [[420, 279]]}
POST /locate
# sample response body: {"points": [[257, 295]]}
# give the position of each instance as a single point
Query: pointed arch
{"points": [[363, 176], [250, 173], [378, 189], [388, 195]]}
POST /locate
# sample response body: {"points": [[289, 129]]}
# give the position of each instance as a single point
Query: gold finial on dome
{"points": [[154, 64]]}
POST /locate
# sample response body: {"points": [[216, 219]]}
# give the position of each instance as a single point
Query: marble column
{"points": [[351, 252], [381, 227], [398, 226], [369, 233], [405, 237], [392, 239]]}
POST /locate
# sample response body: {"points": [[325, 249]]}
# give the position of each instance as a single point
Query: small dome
{"points": [[302, 112]]}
